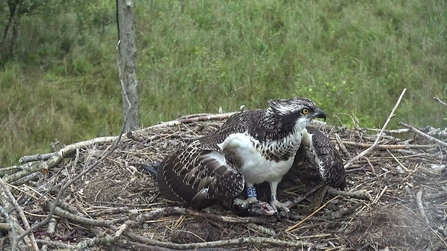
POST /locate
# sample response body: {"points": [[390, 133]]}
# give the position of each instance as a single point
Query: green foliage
{"points": [[352, 57]]}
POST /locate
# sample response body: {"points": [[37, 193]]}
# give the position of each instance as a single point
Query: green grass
{"points": [[351, 57]]}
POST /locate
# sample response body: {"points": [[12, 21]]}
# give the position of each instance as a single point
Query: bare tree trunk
{"points": [[128, 50], [15, 35], [12, 6]]}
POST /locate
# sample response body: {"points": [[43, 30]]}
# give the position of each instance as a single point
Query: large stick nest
{"points": [[396, 197]]}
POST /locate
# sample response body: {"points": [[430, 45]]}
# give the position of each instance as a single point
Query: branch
{"points": [[412, 128], [12, 228], [310, 215], [390, 147], [374, 145], [80, 219], [222, 243], [357, 195], [51, 162], [186, 211], [19, 211], [188, 120], [440, 101], [421, 206], [36, 157]]}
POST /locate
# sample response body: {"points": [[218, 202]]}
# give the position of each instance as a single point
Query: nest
{"points": [[94, 195]]}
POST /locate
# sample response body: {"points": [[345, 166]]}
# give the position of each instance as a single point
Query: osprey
{"points": [[251, 147], [327, 158]]}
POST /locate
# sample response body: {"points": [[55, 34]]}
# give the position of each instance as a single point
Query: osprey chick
{"points": [[251, 147]]}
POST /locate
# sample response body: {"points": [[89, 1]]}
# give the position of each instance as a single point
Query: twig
{"points": [[222, 243], [412, 128], [13, 229], [395, 131], [367, 151], [357, 195], [195, 119], [5, 226], [36, 157], [186, 211], [135, 246], [342, 145], [83, 220], [380, 195], [400, 163], [370, 165], [261, 229], [56, 244], [421, 206], [388, 147], [310, 215], [55, 159], [20, 212], [440, 101]]}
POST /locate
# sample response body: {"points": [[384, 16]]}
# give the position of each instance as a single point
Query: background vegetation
{"points": [[351, 57]]}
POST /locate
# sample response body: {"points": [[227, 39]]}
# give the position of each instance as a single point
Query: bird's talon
{"points": [[282, 207]]}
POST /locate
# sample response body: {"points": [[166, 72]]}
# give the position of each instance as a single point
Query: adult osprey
{"points": [[251, 147]]}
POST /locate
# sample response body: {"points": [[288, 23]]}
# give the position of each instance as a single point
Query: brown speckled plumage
{"points": [[327, 157], [211, 169]]}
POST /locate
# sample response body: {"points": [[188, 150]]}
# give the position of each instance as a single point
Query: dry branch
{"points": [[413, 129], [362, 195], [440, 101], [19, 211], [56, 157], [376, 142], [310, 215], [185, 211], [389, 147], [222, 243], [421, 206], [188, 120], [36, 157]]}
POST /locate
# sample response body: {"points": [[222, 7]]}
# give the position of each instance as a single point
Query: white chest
{"points": [[267, 161]]}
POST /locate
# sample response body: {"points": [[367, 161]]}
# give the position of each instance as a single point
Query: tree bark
{"points": [[128, 51], [12, 6]]}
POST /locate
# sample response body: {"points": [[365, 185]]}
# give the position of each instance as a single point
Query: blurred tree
{"points": [[13, 11], [128, 51]]}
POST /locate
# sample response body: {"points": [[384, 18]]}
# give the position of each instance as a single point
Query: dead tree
{"points": [[128, 51]]}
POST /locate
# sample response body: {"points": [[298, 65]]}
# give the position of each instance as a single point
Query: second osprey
{"points": [[251, 147]]}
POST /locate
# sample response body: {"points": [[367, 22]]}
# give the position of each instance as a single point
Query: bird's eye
{"points": [[305, 111]]}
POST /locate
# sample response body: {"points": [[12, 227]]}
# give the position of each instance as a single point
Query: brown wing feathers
{"points": [[331, 163], [198, 177]]}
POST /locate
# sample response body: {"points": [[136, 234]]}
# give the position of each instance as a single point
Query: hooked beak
{"points": [[320, 114]]}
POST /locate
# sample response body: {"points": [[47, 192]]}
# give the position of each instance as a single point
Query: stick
{"points": [[20, 212], [380, 195], [421, 206], [357, 195], [342, 145], [310, 215], [412, 128], [11, 225], [440, 101], [55, 159], [388, 147], [222, 243], [36, 157], [186, 211], [367, 151], [195, 119], [396, 131]]}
